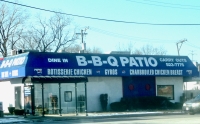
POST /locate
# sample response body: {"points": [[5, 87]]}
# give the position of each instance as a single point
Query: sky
{"points": [[109, 35]]}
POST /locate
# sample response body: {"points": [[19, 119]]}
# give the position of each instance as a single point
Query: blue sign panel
{"points": [[13, 66], [77, 64]]}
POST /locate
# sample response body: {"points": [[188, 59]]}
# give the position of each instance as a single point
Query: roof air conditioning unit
{"points": [[13, 52], [19, 51], [23, 51], [61, 51]]}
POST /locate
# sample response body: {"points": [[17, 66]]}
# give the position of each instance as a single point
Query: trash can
{"points": [[1, 109], [104, 101]]}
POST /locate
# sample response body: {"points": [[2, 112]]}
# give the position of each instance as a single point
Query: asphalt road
{"points": [[156, 119]]}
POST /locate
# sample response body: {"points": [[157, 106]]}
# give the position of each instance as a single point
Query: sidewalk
{"points": [[13, 119], [30, 118]]}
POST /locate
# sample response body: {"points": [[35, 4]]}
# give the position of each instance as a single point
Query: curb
{"points": [[63, 118], [50, 118]]}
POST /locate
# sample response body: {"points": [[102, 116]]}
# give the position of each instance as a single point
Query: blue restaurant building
{"points": [[62, 83]]}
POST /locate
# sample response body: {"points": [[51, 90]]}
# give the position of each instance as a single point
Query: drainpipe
{"points": [[76, 98], [24, 103], [42, 100], [86, 99], [60, 99]]}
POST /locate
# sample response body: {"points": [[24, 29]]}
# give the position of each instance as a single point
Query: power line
{"points": [[192, 45], [141, 39], [192, 53], [172, 4], [101, 19], [161, 4], [129, 37]]}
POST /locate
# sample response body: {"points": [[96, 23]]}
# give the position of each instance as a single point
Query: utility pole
{"points": [[82, 41], [179, 46], [192, 53]]}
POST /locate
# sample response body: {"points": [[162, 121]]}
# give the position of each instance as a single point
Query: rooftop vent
{"points": [[120, 52]]}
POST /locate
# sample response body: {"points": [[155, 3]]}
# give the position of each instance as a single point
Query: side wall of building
{"points": [[177, 82], [7, 94], [103, 85]]}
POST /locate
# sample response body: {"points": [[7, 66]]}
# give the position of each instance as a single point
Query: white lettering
{"points": [[124, 60], [81, 60], [54, 60], [176, 72], [110, 71], [65, 60], [146, 62], [14, 72], [152, 61], [112, 61], [96, 61], [166, 59], [68, 72], [133, 62], [13, 62], [140, 60], [82, 72], [141, 72], [181, 60], [162, 72]]}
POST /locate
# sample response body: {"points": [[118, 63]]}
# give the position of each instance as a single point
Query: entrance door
{"points": [[18, 104], [29, 99]]}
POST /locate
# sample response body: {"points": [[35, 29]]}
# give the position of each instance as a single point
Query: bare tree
{"points": [[11, 27], [144, 50], [75, 48], [150, 50], [94, 50], [27, 41], [137, 52], [42, 36], [50, 35], [125, 47], [60, 27]]}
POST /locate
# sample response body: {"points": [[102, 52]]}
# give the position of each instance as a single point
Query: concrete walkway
{"points": [[30, 118], [13, 119]]}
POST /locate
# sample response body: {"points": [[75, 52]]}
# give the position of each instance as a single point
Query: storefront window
{"points": [[166, 91], [81, 97], [68, 98], [38, 99], [51, 98], [28, 99]]}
